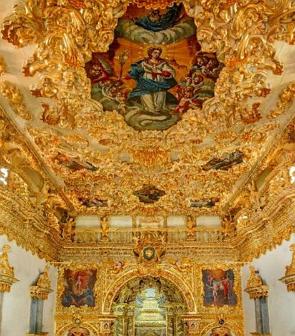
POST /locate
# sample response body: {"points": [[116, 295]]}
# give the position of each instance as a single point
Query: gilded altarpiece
{"points": [[118, 284]]}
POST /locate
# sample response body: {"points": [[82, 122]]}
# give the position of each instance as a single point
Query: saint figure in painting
{"points": [[166, 86], [154, 76], [79, 288], [219, 288]]}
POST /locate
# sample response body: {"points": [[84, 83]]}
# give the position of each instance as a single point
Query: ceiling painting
{"points": [[155, 70], [145, 109]]}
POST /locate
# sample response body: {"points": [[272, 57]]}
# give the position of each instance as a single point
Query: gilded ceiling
{"points": [[145, 108]]}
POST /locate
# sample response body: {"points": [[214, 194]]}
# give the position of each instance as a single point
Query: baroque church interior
{"points": [[147, 167]]}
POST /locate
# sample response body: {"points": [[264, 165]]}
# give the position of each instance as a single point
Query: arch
{"points": [[235, 329], [127, 276], [69, 326]]}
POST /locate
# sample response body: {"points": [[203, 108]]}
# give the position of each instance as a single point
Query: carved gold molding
{"points": [[15, 98], [243, 36]]}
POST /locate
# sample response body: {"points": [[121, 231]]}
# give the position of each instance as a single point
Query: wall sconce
{"points": [[289, 278]]}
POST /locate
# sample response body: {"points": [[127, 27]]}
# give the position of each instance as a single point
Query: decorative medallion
{"points": [[149, 247], [148, 253], [73, 163]]}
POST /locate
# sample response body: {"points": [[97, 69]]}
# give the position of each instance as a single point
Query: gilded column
{"points": [[130, 321], [258, 291], [170, 321], [39, 293]]}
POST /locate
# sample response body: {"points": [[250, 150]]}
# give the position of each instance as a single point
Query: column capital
{"points": [[255, 286], [41, 289]]}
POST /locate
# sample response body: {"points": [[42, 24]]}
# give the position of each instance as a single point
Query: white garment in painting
{"points": [[156, 101]]}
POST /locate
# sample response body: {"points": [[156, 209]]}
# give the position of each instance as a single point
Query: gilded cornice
{"points": [[21, 136], [269, 228], [20, 221]]}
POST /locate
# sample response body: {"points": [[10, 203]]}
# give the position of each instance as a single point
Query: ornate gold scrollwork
{"points": [[15, 98]]}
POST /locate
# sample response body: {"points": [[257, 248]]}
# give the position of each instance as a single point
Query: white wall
{"points": [[16, 304], [281, 303]]}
